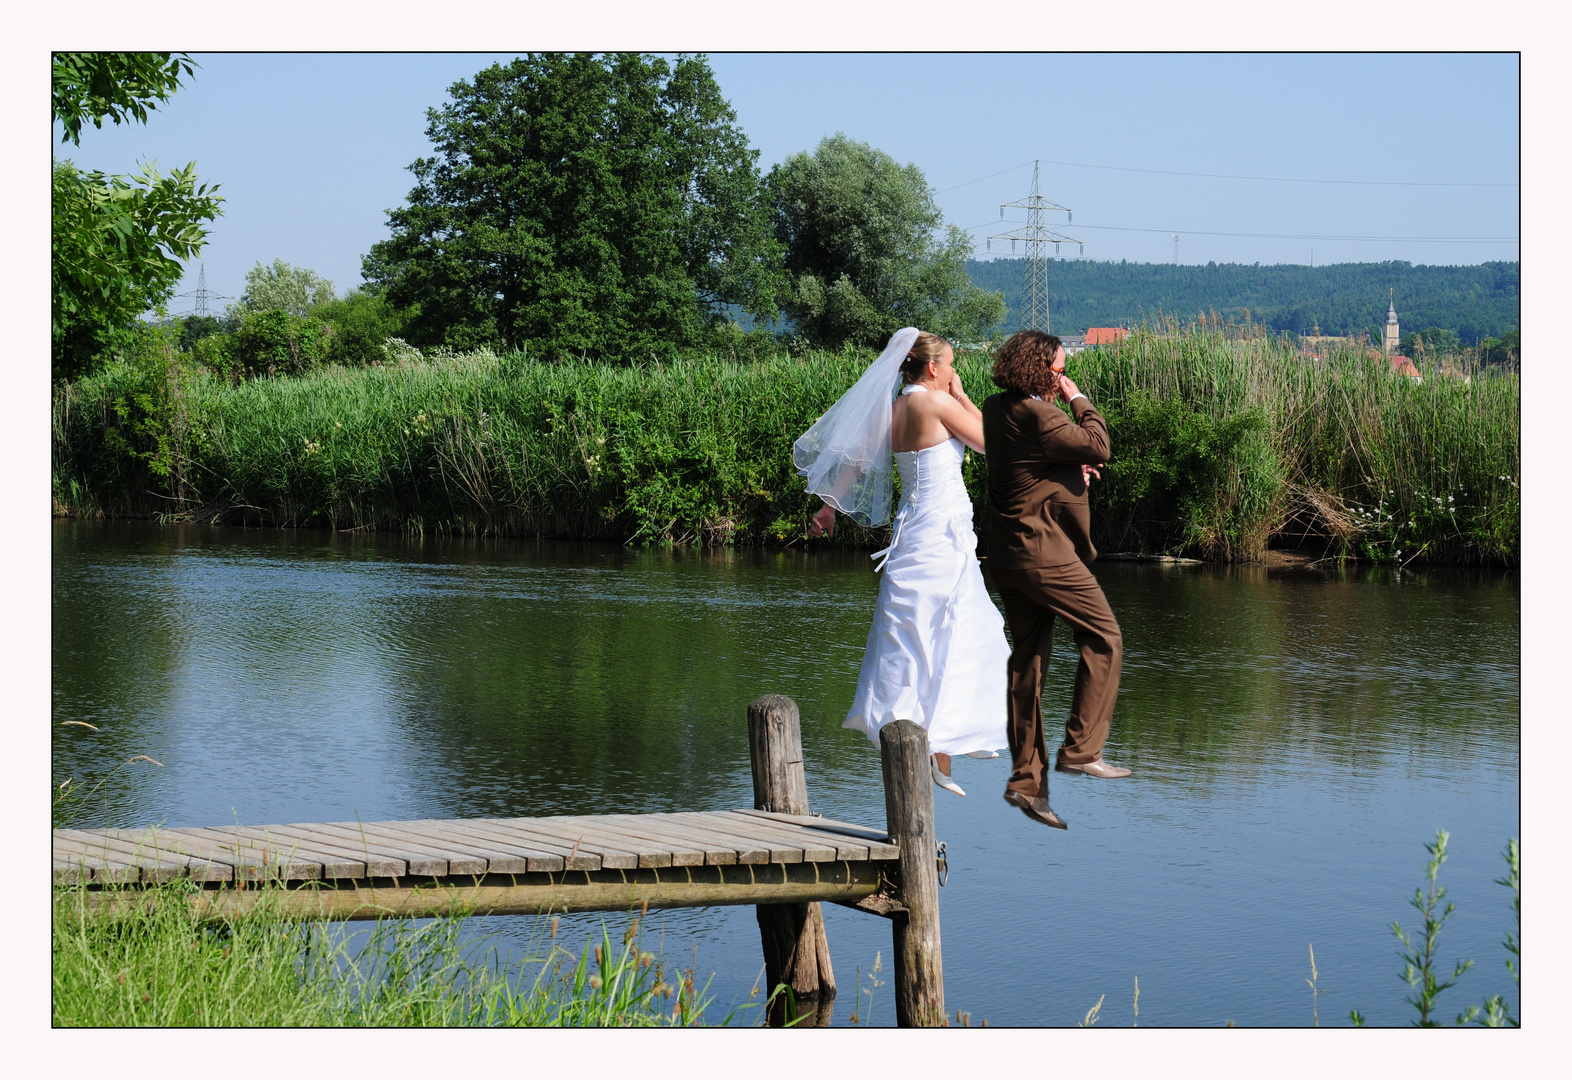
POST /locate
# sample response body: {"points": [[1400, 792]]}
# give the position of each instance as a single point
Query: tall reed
{"points": [[1222, 441]]}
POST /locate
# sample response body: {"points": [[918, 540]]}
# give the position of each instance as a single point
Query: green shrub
{"points": [[361, 324], [278, 343]]}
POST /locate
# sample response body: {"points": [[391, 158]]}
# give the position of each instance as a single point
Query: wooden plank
{"points": [[198, 867], [400, 837], [612, 856], [508, 855], [653, 851], [727, 828], [747, 851], [817, 846], [812, 848], [422, 860], [616, 852], [66, 872], [138, 863], [250, 862], [715, 852], [334, 863], [212, 851], [573, 858], [541, 857], [740, 831], [499, 858], [823, 829], [378, 863], [879, 843], [424, 857], [105, 867]]}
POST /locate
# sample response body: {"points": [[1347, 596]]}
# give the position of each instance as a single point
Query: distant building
{"points": [[1105, 335], [1073, 343], [1402, 365], [1315, 344], [1389, 335]]}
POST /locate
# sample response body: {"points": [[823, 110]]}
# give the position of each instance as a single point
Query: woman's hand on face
{"points": [[957, 389], [1087, 472], [1067, 388], [823, 523]]}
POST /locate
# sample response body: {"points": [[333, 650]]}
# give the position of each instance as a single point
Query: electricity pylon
{"points": [[1036, 236], [202, 294]]}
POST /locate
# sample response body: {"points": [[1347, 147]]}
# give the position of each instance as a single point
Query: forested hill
{"points": [[1473, 301]]}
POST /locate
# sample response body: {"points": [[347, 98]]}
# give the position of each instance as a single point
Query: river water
{"points": [[1296, 736]]}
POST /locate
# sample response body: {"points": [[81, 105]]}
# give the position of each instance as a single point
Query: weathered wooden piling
{"points": [[796, 950], [908, 807]]}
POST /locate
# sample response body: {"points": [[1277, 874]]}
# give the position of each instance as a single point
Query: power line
{"points": [[1298, 236], [1233, 176], [990, 176], [1283, 179]]}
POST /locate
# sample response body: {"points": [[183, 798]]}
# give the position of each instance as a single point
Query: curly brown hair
{"points": [[1023, 364]]}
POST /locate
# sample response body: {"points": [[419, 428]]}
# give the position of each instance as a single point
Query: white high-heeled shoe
{"points": [[983, 754], [943, 781]]}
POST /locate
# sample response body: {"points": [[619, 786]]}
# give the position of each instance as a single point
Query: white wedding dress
{"points": [[936, 652]]}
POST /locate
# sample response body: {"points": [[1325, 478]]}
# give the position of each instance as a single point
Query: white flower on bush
{"points": [[398, 351]]}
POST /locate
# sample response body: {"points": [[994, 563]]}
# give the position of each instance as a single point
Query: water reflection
{"points": [[1297, 735]]}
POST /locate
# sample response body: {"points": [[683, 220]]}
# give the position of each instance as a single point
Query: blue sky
{"points": [[311, 150]]}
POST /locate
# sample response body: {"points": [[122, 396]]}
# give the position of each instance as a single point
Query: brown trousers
{"points": [[1032, 597]]}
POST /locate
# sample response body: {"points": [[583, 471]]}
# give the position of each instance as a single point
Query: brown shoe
{"points": [[1096, 767], [1037, 809]]}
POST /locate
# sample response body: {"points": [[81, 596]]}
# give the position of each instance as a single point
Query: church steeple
{"points": [[1389, 336]]}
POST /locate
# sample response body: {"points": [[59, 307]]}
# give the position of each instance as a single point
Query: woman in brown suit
{"points": [[1040, 463]]}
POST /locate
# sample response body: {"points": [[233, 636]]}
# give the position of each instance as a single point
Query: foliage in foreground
{"points": [[1421, 970], [1221, 444], [160, 966], [118, 243]]}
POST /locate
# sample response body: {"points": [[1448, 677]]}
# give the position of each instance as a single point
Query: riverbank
{"points": [[1225, 445], [158, 966]]}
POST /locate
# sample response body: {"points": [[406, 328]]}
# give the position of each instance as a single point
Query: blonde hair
{"points": [[928, 347]]}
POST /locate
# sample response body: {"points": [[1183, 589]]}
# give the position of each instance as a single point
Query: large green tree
{"points": [[606, 205], [865, 251], [282, 287], [119, 243]]}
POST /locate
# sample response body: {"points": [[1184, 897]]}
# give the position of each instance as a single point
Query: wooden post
{"points": [[796, 951], [908, 808]]}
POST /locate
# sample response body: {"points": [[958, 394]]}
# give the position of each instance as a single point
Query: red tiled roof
{"points": [[1403, 365], [1102, 335]]}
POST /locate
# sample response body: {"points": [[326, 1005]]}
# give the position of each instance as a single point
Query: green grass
{"points": [[1222, 441], [158, 965]]}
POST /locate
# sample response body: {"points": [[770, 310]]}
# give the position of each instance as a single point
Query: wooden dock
{"points": [[775, 855], [490, 866]]}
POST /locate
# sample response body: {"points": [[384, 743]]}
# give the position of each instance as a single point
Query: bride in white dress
{"points": [[936, 651]]}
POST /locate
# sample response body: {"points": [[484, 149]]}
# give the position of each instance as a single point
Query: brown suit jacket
{"points": [[1037, 513]]}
